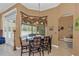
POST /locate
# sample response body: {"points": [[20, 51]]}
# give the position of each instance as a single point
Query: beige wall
{"points": [[53, 16]]}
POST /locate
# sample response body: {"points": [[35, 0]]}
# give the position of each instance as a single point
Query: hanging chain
{"points": [[39, 8]]}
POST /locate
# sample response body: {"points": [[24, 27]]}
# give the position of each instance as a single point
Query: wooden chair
{"points": [[24, 46], [35, 45], [46, 44]]}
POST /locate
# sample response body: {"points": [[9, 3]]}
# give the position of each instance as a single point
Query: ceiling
{"points": [[34, 6], [42, 7], [5, 6]]}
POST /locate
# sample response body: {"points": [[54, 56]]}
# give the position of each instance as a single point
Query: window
{"points": [[34, 29], [28, 29]]}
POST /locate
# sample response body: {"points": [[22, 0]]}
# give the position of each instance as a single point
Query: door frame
{"points": [[3, 19]]}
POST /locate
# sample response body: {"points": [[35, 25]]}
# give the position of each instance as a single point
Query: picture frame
{"points": [[77, 24]]}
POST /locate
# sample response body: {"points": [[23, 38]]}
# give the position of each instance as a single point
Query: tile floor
{"points": [[62, 50]]}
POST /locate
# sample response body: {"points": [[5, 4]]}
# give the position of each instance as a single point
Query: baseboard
{"points": [[56, 46], [73, 55], [18, 48]]}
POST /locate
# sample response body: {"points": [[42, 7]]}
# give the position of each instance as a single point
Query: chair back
{"points": [[46, 41], [36, 42]]}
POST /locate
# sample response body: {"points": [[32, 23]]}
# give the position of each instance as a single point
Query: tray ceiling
{"points": [[33, 6]]}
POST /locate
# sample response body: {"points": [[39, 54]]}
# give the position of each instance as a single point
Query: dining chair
{"points": [[46, 46], [24, 46], [35, 45]]}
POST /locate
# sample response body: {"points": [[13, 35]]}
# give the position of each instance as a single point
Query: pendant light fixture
{"points": [[39, 8]]}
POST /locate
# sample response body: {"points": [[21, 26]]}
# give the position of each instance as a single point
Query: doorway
{"points": [[65, 30], [9, 22]]}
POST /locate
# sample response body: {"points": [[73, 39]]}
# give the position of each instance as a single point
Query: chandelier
{"points": [[36, 20]]}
